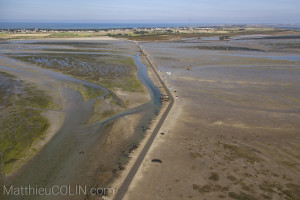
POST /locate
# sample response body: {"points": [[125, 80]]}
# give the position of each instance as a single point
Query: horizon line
{"points": [[130, 22]]}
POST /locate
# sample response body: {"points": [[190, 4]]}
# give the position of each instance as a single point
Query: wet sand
{"points": [[79, 153], [233, 132]]}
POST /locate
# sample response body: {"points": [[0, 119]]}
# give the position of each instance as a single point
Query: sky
{"points": [[151, 11]]}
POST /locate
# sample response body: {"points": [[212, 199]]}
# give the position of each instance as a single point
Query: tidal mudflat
{"points": [[234, 130], [79, 107]]}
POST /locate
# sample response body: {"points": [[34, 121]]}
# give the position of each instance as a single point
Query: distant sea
{"points": [[15, 25], [26, 25]]}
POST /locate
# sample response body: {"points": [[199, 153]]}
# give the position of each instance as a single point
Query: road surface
{"points": [[124, 187]]}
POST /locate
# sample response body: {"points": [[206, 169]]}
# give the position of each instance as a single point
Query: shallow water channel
{"points": [[63, 160]]}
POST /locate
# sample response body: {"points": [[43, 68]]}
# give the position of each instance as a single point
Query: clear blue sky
{"points": [[194, 11]]}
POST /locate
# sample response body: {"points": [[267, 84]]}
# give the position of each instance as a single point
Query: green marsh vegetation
{"points": [[70, 34], [103, 107], [111, 71], [21, 120], [87, 93], [173, 34], [146, 35], [72, 44], [83, 49], [106, 107]]}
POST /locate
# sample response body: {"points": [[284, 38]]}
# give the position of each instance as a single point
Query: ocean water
{"points": [[26, 25], [15, 25]]}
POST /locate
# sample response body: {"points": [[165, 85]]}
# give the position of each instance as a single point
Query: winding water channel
{"points": [[64, 160]]}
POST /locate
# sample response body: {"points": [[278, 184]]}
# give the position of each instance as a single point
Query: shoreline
{"points": [[159, 139], [123, 183], [134, 154]]}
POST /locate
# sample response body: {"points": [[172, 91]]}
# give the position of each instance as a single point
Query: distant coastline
{"points": [[25, 25], [89, 26]]}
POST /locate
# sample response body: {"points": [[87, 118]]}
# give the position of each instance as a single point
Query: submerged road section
{"points": [[124, 187]]}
